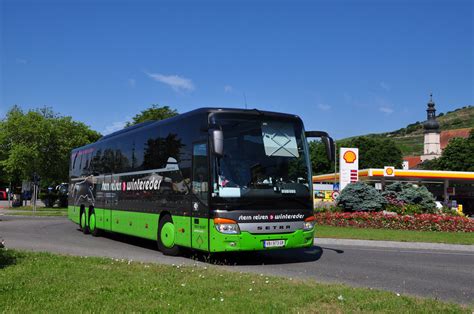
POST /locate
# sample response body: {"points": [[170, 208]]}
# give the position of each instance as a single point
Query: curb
{"points": [[396, 245]]}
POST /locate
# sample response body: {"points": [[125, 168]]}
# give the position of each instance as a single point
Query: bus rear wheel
{"points": [[83, 223], [166, 236]]}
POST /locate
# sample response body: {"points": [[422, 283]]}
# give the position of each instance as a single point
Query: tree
{"points": [[431, 164], [153, 113], [458, 155], [39, 141], [376, 152], [319, 160]]}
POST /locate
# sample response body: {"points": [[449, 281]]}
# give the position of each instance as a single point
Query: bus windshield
{"points": [[263, 158]]}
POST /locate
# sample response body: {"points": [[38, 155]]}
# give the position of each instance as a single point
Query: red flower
{"points": [[431, 222]]}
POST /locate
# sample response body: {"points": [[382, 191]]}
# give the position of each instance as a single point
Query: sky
{"points": [[346, 67]]}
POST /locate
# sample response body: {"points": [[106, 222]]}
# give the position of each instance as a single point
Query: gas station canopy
{"points": [[445, 185], [427, 176]]}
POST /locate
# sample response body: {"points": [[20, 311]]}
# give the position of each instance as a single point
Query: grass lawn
{"points": [[30, 208], [41, 282], [394, 235], [40, 213]]}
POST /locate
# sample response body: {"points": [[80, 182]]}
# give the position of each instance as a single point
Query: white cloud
{"points": [[228, 89], [176, 82], [324, 107], [21, 61], [132, 82], [386, 110], [115, 126], [385, 86]]}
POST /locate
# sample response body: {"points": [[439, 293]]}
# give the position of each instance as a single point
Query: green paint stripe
{"points": [[205, 237]]}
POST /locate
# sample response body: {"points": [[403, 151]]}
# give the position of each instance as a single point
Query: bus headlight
{"points": [[227, 226], [309, 223]]}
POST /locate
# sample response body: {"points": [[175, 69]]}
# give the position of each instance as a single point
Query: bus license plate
{"points": [[274, 243]]}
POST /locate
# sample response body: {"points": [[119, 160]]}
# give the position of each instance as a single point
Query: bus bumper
{"points": [[246, 241]]}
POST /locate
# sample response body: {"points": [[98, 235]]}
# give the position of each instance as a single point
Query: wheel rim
{"points": [[92, 222], [83, 220], [167, 235]]}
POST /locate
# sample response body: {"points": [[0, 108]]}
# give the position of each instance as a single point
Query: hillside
{"points": [[410, 138]]}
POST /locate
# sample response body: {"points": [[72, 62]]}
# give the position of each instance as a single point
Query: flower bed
{"points": [[380, 220]]}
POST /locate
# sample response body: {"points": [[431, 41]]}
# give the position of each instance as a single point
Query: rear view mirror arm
{"points": [[327, 140]]}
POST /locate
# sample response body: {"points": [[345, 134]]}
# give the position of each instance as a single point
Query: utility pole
{"points": [[36, 180], [9, 192], [34, 198], [335, 163]]}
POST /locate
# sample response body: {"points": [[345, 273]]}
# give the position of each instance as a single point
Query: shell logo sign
{"points": [[349, 157], [389, 171], [349, 166]]}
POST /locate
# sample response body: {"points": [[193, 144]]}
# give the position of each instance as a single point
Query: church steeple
{"points": [[432, 147], [431, 125]]}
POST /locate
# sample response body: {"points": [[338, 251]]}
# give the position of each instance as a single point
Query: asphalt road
{"points": [[446, 275]]}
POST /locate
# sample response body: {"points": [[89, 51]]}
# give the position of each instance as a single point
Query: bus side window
{"points": [[108, 158], [86, 158], [73, 165], [200, 172], [96, 166], [77, 166], [123, 154]]}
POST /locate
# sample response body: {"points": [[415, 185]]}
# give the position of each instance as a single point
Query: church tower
{"points": [[432, 146]]}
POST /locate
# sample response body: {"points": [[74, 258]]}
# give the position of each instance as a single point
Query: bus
{"points": [[215, 180]]}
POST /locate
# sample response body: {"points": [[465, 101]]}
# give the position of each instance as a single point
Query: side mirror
{"points": [[217, 142], [330, 149], [327, 140]]}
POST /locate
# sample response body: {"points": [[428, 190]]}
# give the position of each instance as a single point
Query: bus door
{"points": [[107, 201], [200, 189]]}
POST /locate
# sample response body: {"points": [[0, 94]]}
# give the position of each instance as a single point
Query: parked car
{"points": [[55, 196], [3, 195]]}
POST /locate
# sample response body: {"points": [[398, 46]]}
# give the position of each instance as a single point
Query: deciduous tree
{"points": [[376, 152], [319, 161], [458, 155], [153, 113], [39, 141], [373, 153]]}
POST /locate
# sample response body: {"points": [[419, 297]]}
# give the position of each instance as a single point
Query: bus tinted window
{"points": [[200, 172], [108, 158], [96, 165], [86, 157]]}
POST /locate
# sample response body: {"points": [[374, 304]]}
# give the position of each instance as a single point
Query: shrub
{"points": [[410, 194], [452, 212], [361, 196], [406, 209], [394, 187], [394, 208], [329, 208], [412, 209], [419, 196], [391, 199]]}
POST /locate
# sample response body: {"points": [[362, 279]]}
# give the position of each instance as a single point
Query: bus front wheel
{"points": [[166, 236], [93, 225]]}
